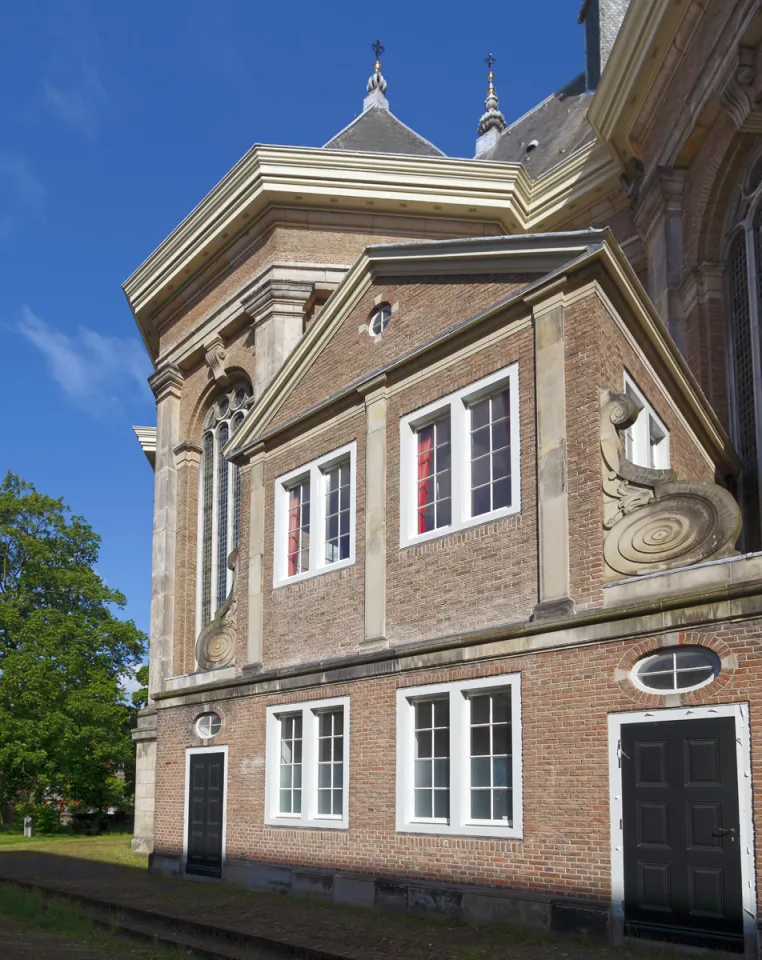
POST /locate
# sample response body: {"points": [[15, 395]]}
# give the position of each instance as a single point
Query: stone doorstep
{"points": [[470, 904], [205, 940]]}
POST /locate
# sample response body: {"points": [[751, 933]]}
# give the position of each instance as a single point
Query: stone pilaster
{"points": [[659, 219], [187, 461], [552, 476], [375, 513], [277, 309], [255, 626], [166, 384], [144, 737]]}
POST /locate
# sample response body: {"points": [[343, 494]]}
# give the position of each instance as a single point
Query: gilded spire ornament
{"points": [[376, 84], [492, 118]]}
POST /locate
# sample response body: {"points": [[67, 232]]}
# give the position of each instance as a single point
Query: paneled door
{"points": [[206, 804], [682, 861]]}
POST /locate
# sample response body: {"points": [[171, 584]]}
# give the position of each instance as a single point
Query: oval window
{"points": [[677, 670], [380, 318], [208, 725]]}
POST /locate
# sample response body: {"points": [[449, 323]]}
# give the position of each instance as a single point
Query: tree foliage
{"points": [[64, 726]]}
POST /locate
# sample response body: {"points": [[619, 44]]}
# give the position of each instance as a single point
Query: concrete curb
{"points": [[225, 936]]}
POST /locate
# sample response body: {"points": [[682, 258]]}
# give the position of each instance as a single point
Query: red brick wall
{"points": [[427, 307], [566, 695], [322, 616], [485, 574]]}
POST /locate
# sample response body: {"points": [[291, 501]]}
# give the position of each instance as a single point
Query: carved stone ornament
{"points": [[216, 354], [654, 521], [215, 646]]}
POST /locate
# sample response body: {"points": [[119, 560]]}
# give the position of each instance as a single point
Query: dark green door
{"points": [[682, 860], [206, 803]]}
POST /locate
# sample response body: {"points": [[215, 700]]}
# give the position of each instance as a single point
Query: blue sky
{"points": [[118, 117]]}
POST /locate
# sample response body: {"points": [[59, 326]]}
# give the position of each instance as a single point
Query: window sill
{"points": [[459, 526], [310, 574], [464, 830], [304, 824]]}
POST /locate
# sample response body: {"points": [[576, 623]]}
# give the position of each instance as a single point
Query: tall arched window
{"points": [[743, 278], [220, 499]]}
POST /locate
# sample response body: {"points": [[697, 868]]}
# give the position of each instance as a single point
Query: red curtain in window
{"points": [[293, 530], [425, 456]]}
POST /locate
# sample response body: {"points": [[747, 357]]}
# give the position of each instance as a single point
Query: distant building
{"points": [[456, 598]]}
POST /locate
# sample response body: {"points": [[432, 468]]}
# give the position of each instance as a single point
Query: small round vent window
{"points": [[677, 671], [208, 725], [380, 318]]}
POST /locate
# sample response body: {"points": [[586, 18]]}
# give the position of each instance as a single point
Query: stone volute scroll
{"points": [[215, 646], [216, 356], [653, 521]]}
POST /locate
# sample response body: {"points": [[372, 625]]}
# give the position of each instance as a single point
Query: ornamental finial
{"points": [[376, 84], [492, 118]]}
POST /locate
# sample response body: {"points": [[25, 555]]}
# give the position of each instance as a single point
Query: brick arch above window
{"points": [[650, 645]]}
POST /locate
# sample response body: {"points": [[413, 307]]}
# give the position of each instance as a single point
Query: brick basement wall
{"points": [[567, 695]]}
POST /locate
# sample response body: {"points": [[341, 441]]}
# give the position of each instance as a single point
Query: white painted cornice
{"points": [[431, 187], [147, 440]]}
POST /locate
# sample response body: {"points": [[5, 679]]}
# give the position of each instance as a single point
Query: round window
{"points": [[677, 671], [380, 318], [208, 725]]}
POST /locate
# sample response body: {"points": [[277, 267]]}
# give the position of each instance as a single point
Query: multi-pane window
{"points": [[490, 756], [647, 440], [677, 670], [432, 759], [220, 498], [434, 475], [459, 459], [306, 765], [290, 790], [491, 453], [337, 511], [330, 762], [299, 527], [459, 758], [315, 517]]}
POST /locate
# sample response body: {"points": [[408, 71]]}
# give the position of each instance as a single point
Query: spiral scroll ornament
{"points": [[653, 520], [215, 646]]}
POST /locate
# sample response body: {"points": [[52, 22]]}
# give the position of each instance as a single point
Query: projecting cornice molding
{"points": [[432, 188], [166, 382]]}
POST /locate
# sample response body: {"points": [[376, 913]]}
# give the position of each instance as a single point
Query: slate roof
{"points": [[377, 130], [558, 124]]}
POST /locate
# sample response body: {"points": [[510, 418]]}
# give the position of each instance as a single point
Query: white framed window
{"points": [[315, 517], [647, 440], [219, 501], [307, 777], [459, 459], [459, 758], [676, 670]]}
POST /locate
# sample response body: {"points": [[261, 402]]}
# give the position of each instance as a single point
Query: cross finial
{"points": [[377, 48], [489, 60]]}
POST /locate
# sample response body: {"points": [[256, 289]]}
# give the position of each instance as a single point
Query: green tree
{"points": [[64, 726]]}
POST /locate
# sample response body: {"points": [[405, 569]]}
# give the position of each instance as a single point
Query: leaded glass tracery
{"points": [[220, 498], [743, 277]]}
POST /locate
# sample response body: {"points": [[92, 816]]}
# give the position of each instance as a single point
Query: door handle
{"points": [[725, 832]]}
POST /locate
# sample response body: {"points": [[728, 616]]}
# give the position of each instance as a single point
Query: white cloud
{"points": [[73, 89], [94, 371]]}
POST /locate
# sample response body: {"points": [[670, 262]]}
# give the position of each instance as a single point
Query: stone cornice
{"points": [[147, 440], [641, 47], [688, 608], [187, 452], [430, 187], [276, 294], [167, 381]]}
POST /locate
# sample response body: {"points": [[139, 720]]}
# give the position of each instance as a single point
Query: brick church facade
{"points": [[457, 583]]}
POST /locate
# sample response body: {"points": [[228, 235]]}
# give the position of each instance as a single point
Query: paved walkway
{"points": [[303, 928]]}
